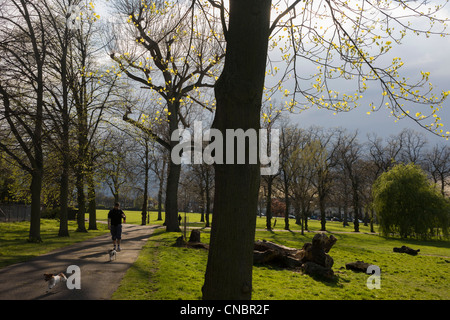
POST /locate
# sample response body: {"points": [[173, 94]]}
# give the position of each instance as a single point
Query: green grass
{"points": [[134, 217], [15, 248], [193, 219], [163, 271], [402, 276]]}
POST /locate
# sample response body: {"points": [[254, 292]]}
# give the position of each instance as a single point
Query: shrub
{"points": [[409, 205]]}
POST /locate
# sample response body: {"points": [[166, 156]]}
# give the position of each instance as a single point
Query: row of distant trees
{"points": [[324, 168], [54, 94], [69, 80], [319, 168]]}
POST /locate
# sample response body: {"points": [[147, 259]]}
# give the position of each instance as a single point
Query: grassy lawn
{"points": [[193, 219], [163, 271], [14, 247]]}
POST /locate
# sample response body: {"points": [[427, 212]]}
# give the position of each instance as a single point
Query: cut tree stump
{"points": [[194, 241], [195, 236], [313, 258]]}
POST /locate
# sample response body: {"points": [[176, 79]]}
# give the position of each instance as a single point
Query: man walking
{"points": [[115, 217]]}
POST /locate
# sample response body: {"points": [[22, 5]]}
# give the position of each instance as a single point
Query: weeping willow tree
{"points": [[407, 204]]}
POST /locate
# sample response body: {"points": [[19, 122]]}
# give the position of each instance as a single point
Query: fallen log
{"points": [[408, 250], [313, 258], [261, 257], [360, 266], [278, 248]]}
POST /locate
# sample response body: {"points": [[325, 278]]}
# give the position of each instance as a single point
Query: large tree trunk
{"points": [[64, 187], [171, 205], [145, 200], [208, 200], [356, 209], [345, 223], [286, 211], [81, 199], [92, 206], [144, 206], [35, 220], [64, 197], [372, 211], [173, 177], [269, 206], [323, 220], [160, 191], [80, 176], [160, 202], [38, 165], [238, 93]]}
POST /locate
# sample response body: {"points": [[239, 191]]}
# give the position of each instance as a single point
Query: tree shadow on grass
{"points": [[438, 243], [334, 281], [331, 281]]}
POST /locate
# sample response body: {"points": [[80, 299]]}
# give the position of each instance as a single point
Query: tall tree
{"points": [[170, 49], [437, 163], [270, 117], [349, 153], [290, 140], [202, 181], [59, 107], [117, 168], [24, 48], [239, 96], [92, 89], [413, 145], [302, 167], [159, 166], [324, 163]]}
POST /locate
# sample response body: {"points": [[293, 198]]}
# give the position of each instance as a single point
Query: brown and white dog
{"points": [[112, 254], [53, 279]]}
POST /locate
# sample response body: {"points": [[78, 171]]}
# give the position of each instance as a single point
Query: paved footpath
{"points": [[100, 278]]}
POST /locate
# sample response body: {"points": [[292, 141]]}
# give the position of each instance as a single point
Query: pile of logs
{"points": [[313, 258]]}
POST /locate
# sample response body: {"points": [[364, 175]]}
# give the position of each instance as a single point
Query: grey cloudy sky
{"points": [[418, 54]]}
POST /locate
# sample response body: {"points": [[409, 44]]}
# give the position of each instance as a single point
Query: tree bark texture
{"points": [[269, 206], [35, 220], [238, 94], [92, 205], [173, 177]]}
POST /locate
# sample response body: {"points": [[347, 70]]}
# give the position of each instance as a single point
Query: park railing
{"points": [[14, 212]]}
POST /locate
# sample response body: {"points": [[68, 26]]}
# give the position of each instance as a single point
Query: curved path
{"points": [[99, 277]]}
